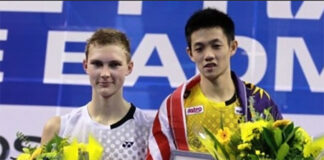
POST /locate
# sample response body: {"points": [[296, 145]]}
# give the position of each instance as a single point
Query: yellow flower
{"points": [[257, 152], [224, 135], [82, 147], [307, 150], [71, 152], [302, 136], [283, 122], [94, 149], [244, 146], [242, 154], [36, 153], [250, 130], [23, 156], [61, 148], [311, 149], [314, 148]]}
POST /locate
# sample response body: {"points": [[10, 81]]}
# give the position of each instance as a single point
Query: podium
{"points": [[186, 155]]}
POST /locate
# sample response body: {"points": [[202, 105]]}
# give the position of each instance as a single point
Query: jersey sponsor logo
{"points": [[127, 144], [238, 110], [194, 110]]}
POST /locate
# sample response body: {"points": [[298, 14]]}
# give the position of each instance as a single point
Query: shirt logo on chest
{"points": [[238, 110], [194, 110], [127, 144]]}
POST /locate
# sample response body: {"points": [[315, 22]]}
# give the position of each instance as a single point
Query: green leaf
{"points": [[253, 157], [54, 144], [217, 144], [283, 151], [277, 134], [254, 115], [268, 115], [267, 135], [221, 122], [287, 130], [291, 135]]}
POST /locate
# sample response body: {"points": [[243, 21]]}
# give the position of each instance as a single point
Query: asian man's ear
{"points": [[188, 50], [234, 45]]}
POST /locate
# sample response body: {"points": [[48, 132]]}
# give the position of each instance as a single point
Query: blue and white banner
{"points": [[281, 49]]}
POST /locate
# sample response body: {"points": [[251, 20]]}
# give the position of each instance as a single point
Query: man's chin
{"points": [[211, 76], [105, 94]]}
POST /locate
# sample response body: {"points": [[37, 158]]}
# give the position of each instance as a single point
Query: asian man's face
{"points": [[211, 52]]}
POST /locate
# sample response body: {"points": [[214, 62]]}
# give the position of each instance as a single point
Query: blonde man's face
{"points": [[107, 68]]}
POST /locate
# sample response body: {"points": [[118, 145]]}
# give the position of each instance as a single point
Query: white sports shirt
{"points": [[124, 140]]}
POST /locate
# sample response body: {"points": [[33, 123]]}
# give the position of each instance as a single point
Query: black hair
{"points": [[208, 18]]}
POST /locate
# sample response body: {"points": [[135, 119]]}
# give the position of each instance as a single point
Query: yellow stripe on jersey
{"points": [[201, 111]]}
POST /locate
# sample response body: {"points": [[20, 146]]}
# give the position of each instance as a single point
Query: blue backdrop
{"points": [[281, 42]]}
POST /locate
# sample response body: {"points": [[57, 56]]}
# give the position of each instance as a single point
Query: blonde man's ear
{"points": [[85, 65], [130, 67]]}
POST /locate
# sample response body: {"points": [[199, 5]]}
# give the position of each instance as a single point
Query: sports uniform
{"points": [[124, 140], [170, 130], [201, 111]]}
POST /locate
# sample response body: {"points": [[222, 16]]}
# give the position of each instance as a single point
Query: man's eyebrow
{"points": [[216, 40], [198, 44], [95, 60]]}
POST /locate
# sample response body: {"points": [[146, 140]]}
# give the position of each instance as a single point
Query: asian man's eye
{"points": [[216, 46], [198, 49]]}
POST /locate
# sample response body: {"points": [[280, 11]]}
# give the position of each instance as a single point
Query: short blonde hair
{"points": [[109, 36]]}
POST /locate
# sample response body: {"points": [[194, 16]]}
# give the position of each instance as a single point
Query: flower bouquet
{"points": [[59, 148], [262, 138]]}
